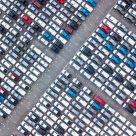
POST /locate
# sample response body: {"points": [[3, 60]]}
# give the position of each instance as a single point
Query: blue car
{"points": [[65, 35], [2, 98], [71, 93], [130, 63], [102, 33], [85, 11], [92, 3], [134, 53], [96, 106], [109, 47], [123, 51], [48, 36], [115, 59]]}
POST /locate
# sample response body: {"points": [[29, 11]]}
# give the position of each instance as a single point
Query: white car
{"points": [[120, 117], [37, 51], [42, 62], [112, 19], [60, 15], [6, 25], [117, 99], [32, 76], [8, 104], [28, 35], [10, 59], [3, 46], [89, 8], [13, 31], [6, 63], [6, 86], [40, 114], [82, 56], [27, 80], [35, 71], [27, 126], [74, 65], [40, 22], [9, 82], [35, 133], [118, 31], [130, 40], [97, 37], [63, 40], [20, 91], [53, 9], [5, 109], [109, 131], [30, 14], [45, 57], [58, 21], [55, 26], [2, 7], [132, 12], [96, 82], [41, 107], [73, 3], [108, 23], [52, 31], [21, 68], [39, 67], [41, 39]]}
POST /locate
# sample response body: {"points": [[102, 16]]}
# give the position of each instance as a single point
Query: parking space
{"points": [[127, 9], [115, 61], [70, 108], [32, 34], [50, 23]]}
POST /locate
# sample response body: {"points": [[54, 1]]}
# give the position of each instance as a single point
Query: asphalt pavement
{"points": [[9, 125]]}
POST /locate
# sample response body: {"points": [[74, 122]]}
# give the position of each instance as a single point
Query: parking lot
{"points": [[9, 125]]}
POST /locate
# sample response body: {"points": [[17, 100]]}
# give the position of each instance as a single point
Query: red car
{"points": [[36, 4], [3, 91], [133, 104], [67, 28], [99, 100], [61, 1], [27, 19], [106, 28], [14, 77]]}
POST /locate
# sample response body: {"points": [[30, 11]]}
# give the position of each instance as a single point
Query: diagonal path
{"points": [[10, 124]]}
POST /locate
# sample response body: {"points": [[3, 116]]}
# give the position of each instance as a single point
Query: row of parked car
{"points": [[17, 74], [22, 64], [69, 108], [58, 21], [127, 8], [107, 59]]}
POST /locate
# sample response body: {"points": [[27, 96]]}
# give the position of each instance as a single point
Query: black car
{"points": [[107, 69], [86, 51], [115, 36], [59, 44], [3, 29], [89, 69], [60, 130], [118, 77], [12, 14], [2, 52], [129, 86], [4, 114], [73, 24], [37, 28], [129, 109], [54, 48], [24, 2]]}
